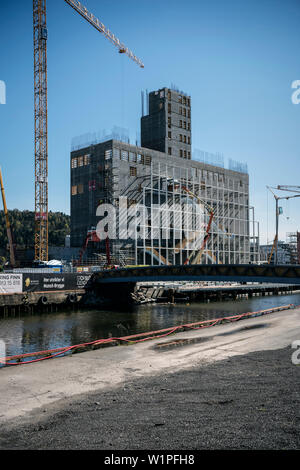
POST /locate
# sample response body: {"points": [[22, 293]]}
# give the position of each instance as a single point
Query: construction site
{"points": [[158, 317], [175, 205], [161, 177], [44, 274]]}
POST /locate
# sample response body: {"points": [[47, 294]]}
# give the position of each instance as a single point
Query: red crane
{"points": [[93, 237]]}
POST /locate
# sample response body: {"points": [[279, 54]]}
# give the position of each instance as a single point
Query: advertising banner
{"points": [[11, 283], [41, 282]]}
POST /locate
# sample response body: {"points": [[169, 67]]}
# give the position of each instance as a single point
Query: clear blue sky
{"points": [[236, 58]]}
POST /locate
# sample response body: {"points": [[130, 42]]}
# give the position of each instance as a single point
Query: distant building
{"points": [[162, 174]]}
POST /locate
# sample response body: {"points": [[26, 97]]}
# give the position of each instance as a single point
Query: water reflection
{"points": [[28, 333]]}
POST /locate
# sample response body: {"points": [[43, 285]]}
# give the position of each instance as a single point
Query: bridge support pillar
{"points": [[115, 294]]}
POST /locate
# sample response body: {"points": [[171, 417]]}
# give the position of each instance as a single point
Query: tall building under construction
{"points": [[170, 209]]}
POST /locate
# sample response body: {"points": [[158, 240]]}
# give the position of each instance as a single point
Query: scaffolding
{"points": [[292, 246], [94, 138], [215, 159], [176, 195], [161, 190]]}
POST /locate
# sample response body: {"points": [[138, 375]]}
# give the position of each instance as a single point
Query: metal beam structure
{"points": [[8, 226], [40, 130], [40, 37], [287, 274], [77, 6], [277, 198]]}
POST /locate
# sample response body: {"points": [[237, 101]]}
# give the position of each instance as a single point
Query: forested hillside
{"points": [[22, 223]]}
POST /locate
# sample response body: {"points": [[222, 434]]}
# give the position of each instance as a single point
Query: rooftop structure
{"points": [[167, 127]]}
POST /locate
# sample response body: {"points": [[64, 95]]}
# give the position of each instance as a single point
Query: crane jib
{"points": [[40, 34]]}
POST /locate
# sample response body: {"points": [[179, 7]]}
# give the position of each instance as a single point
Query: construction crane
{"points": [[40, 130], [277, 213], [294, 189], [272, 250], [8, 226], [182, 244], [40, 36], [207, 235], [93, 237]]}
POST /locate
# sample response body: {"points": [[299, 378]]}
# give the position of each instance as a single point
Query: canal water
{"points": [[28, 333]]}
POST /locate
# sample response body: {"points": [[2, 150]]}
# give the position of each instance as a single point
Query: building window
{"points": [[108, 154], [80, 161], [74, 163], [170, 150], [132, 157], [87, 159], [180, 99], [169, 95], [140, 158], [132, 171], [189, 113], [180, 110], [184, 139], [116, 153], [184, 111], [180, 137], [181, 153], [185, 154], [184, 100], [169, 107], [189, 126], [169, 121], [80, 189], [184, 124], [124, 155], [169, 135], [189, 154], [189, 140], [180, 123], [148, 160], [74, 190]]}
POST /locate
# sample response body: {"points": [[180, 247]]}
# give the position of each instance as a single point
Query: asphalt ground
{"points": [[248, 401]]}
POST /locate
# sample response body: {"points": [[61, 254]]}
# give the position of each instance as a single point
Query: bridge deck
{"points": [[285, 274]]}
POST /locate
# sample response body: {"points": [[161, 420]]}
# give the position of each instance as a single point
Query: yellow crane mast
{"points": [[40, 37], [8, 227], [40, 130]]}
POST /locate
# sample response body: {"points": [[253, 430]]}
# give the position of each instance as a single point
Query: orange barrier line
{"points": [[134, 338]]}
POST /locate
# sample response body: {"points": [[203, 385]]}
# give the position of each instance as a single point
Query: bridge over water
{"points": [[286, 274]]}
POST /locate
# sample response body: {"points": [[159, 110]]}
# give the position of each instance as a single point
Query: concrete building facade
{"points": [[167, 127], [163, 196]]}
